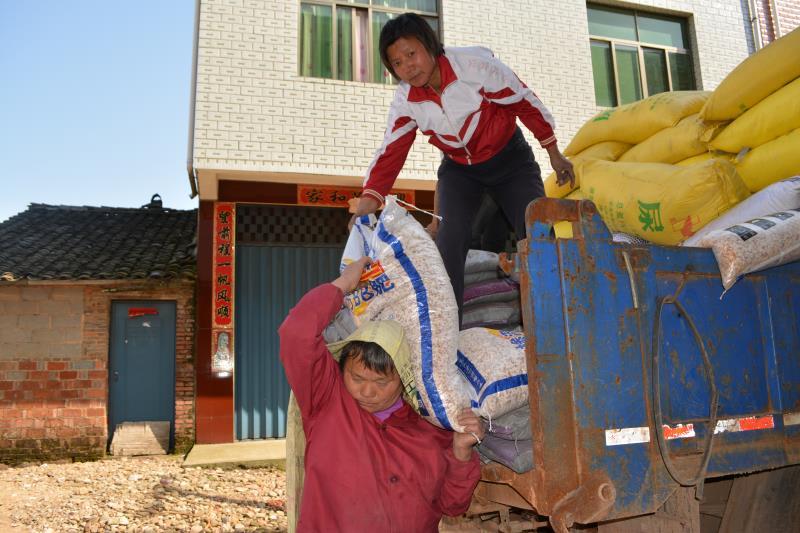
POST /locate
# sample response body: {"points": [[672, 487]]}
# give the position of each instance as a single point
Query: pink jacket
{"points": [[361, 474]]}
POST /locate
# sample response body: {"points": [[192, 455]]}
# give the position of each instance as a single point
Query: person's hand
{"points": [[366, 204], [562, 167], [351, 275], [473, 433], [433, 228]]}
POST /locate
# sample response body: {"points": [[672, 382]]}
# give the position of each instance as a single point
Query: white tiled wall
{"points": [[254, 113]]}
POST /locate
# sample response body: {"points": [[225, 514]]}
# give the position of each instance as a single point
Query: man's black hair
{"points": [[371, 356], [408, 25]]}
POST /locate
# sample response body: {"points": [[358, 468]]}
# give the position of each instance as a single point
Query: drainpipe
{"points": [[192, 99], [755, 26], [773, 6]]}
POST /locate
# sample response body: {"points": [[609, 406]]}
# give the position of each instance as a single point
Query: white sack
{"points": [[755, 245], [407, 282], [492, 363], [779, 196]]}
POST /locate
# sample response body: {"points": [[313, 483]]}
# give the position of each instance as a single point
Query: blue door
{"points": [[141, 369], [269, 281]]}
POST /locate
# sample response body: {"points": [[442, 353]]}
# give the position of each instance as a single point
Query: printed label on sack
{"points": [[375, 283], [783, 215], [516, 338], [762, 223], [470, 373], [742, 232]]}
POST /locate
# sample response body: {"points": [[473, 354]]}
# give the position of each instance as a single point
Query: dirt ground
{"points": [[144, 494]]}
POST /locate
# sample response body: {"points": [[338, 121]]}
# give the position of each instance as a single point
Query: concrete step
{"points": [[252, 453]]}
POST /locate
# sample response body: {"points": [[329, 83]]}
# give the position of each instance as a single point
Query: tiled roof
{"points": [[56, 242]]}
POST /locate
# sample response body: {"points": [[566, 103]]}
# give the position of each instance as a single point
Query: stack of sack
{"points": [[491, 298], [756, 111], [671, 168], [664, 167]]}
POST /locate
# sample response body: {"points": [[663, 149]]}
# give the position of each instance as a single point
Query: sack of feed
{"points": [[670, 145], [755, 78], [775, 115], [479, 277], [492, 315], [508, 440], [754, 245], [407, 282], [632, 123], [773, 161], [607, 151], [498, 290], [480, 261], [776, 197], [661, 203], [492, 364]]}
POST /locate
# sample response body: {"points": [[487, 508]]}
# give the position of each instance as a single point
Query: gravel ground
{"points": [[143, 494]]}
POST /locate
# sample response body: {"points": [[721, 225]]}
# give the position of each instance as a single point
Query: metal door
{"points": [[269, 281], [141, 368]]}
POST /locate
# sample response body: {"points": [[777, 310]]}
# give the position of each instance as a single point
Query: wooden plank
{"points": [[679, 514], [295, 468], [766, 501]]}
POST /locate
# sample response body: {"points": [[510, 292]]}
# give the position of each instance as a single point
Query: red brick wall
{"points": [[54, 366]]}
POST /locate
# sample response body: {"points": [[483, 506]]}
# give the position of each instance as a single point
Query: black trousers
{"points": [[512, 178]]}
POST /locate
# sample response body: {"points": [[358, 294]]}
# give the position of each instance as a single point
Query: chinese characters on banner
{"points": [[222, 288], [330, 196]]}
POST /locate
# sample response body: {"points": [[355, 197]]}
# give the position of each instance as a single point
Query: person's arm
{"points": [[463, 465], [381, 174], [310, 369], [503, 87]]}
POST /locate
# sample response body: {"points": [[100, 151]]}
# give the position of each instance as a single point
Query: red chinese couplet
{"points": [[222, 282]]}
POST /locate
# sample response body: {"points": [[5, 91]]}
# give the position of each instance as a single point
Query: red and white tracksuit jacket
{"points": [[470, 119]]}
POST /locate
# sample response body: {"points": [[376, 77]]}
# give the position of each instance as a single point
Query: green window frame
{"points": [[637, 54], [338, 39]]}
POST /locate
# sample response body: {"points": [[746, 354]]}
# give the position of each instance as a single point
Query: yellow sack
{"points": [[755, 78], [771, 162], [632, 123], [775, 115], [607, 151], [689, 161], [670, 145], [662, 203], [704, 157]]}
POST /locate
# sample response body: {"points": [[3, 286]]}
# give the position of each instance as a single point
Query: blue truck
{"points": [[650, 391]]}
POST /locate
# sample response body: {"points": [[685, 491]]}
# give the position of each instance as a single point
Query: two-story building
{"points": [[289, 105]]}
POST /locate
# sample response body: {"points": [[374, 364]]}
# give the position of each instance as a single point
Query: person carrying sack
{"points": [[371, 462]]}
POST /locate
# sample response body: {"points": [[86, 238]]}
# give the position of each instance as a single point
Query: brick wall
{"points": [[255, 114], [788, 17], [54, 367]]}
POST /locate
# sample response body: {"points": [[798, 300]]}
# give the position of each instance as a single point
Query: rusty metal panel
{"points": [[632, 345]]}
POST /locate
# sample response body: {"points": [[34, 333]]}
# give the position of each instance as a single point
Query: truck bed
{"points": [[642, 376]]}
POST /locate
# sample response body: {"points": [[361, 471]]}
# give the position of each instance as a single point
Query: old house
{"points": [[289, 105], [97, 322]]}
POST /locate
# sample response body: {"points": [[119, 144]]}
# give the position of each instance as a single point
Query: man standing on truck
{"points": [[468, 102], [372, 464]]}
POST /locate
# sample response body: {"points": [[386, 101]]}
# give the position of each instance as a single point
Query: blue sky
{"points": [[94, 102]]}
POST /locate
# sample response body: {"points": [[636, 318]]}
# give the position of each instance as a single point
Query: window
{"points": [[635, 55], [339, 38]]}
